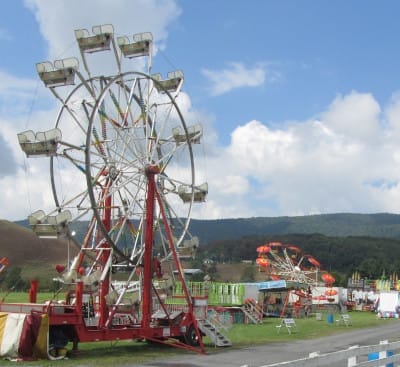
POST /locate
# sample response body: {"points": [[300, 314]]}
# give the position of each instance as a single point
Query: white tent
{"points": [[388, 303]]}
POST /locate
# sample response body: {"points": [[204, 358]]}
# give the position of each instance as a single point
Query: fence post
{"points": [[352, 361], [383, 353]]}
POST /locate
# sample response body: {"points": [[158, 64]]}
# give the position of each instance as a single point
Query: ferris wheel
{"points": [[122, 161], [288, 262], [111, 132]]}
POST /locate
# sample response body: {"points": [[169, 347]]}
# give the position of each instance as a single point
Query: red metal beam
{"points": [[151, 171]]}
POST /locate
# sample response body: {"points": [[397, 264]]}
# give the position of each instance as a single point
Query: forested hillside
{"points": [[337, 225], [372, 257], [369, 243]]}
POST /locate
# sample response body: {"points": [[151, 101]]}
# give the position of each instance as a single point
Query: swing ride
{"points": [[287, 262], [122, 160], [300, 274]]}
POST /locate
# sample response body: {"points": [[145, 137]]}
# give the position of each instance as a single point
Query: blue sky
{"points": [[299, 99], [310, 51]]}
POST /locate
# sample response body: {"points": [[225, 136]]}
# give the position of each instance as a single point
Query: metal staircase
{"points": [[210, 329], [253, 312]]}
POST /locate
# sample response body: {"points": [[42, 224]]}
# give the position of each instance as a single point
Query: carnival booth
{"points": [[284, 298], [388, 304]]}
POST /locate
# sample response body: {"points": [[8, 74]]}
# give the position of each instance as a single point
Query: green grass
{"points": [[241, 335], [246, 335], [108, 354], [44, 273], [23, 297], [136, 352]]}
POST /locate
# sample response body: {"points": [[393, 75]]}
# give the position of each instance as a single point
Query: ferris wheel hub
{"points": [[152, 169], [113, 172]]}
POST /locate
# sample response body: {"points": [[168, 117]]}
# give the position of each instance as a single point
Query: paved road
{"points": [[279, 352]]}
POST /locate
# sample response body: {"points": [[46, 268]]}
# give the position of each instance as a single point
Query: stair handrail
{"points": [[212, 328], [254, 310], [219, 321]]}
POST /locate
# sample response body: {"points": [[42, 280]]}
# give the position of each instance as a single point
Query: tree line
{"points": [[372, 258]]}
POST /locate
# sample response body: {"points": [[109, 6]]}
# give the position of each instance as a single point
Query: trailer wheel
{"points": [[191, 337]]}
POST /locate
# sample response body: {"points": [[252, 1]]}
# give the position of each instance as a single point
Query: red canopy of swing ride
{"points": [[264, 260], [328, 278]]}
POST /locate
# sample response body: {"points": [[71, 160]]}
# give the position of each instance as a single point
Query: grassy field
{"points": [[308, 328], [21, 297], [135, 352]]}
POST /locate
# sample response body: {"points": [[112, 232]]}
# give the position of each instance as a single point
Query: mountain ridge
{"points": [[380, 225], [341, 241]]}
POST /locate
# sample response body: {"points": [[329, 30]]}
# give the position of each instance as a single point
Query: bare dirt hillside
{"points": [[235, 272], [22, 247]]}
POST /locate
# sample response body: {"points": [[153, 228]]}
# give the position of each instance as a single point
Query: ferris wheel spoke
{"points": [[120, 229], [121, 148]]}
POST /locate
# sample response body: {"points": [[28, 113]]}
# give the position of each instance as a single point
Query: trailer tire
{"points": [[191, 337]]}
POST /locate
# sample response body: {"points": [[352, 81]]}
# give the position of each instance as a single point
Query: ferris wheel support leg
{"points": [[78, 297], [33, 291], [104, 259], [151, 171], [189, 300]]}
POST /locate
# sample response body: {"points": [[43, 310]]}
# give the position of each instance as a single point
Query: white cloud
{"points": [[127, 17], [355, 116], [7, 164], [345, 161], [17, 97], [302, 167], [392, 120], [231, 185], [16, 88], [233, 77], [26, 104]]}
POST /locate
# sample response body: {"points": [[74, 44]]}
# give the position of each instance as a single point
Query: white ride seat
{"points": [[188, 248], [140, 46], [100, 41], [61, 73], [194, 134], [200, 193], [172, 84], [41, 143], [50, 226]]}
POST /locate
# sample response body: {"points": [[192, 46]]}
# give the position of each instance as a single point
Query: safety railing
{"points": [[367, 356]]}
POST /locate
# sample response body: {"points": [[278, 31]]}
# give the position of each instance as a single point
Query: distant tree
{"points": [[211, 269], [340, 279], [370, 268], [13, 279], [197, 277], [248, 274], [197, 262], [3, 277], [344, 255]]}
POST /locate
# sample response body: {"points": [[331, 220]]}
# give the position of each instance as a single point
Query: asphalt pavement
{"points": [[257, 356]]}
